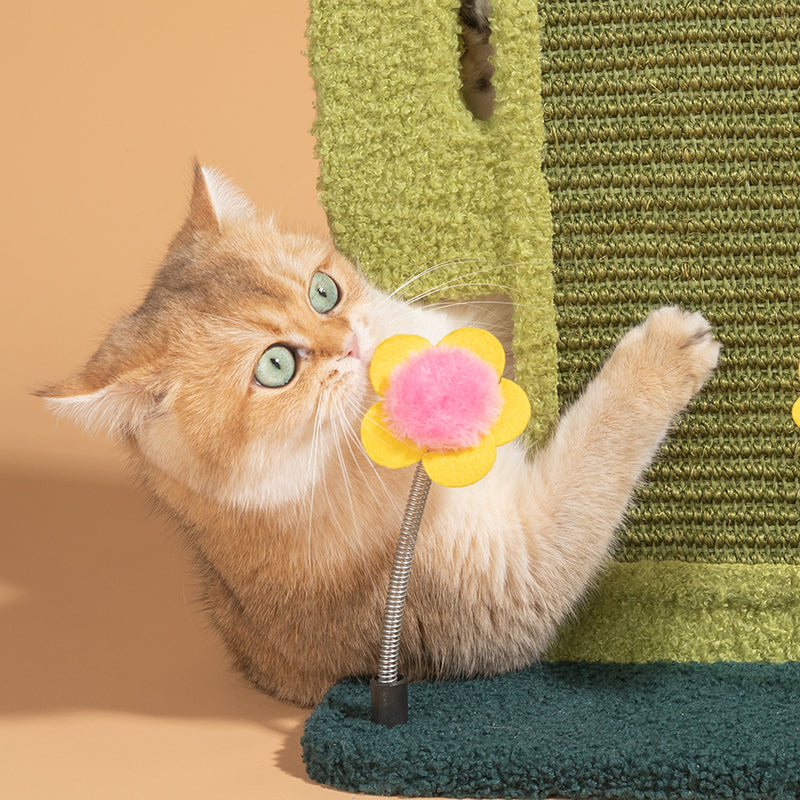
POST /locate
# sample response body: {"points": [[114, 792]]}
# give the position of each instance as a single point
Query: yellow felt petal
{"points": [[480, 342], [389, 354], [382, 446], [796, 412], [461, 467], [515, 414]]}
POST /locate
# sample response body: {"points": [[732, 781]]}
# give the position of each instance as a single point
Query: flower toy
{"points": [[447, 405], [447, 409]]}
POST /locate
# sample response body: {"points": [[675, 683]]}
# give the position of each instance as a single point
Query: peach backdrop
{"points": [[111, 685], [105, 106]]}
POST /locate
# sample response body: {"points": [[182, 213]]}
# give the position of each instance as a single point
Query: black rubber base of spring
{"points": [[390, 702]]}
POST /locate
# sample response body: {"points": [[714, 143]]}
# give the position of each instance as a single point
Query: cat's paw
{"points": [[670, 355]]}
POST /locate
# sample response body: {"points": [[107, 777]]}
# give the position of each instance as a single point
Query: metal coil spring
{"points": [[398, 584]]}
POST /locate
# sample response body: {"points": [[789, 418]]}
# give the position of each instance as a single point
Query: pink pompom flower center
{"points": [[443, 398]]}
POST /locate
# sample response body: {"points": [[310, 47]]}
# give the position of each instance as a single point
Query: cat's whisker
{"points": [[412, 298], [347, 413], [485, 300], [336, 421], [450, 303], [398, 506], [491, 268], [462, 285], [359, 457], [427, 270], [329, 502], [386, 308], [313, 472]]}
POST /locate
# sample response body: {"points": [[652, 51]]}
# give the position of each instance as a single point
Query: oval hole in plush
{"points": [[476, 61]]}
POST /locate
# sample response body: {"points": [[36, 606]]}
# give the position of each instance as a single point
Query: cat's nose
{"points": [[351, 347]]}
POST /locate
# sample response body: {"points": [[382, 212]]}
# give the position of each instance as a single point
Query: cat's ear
{"points": [[215, 201], [118, 407]]}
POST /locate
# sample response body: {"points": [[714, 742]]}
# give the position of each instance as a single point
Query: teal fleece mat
{"points": [[658, 731]]}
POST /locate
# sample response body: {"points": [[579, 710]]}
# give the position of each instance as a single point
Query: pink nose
{"points": [[351, 348]]}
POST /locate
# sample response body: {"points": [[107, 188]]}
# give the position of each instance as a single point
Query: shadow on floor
{"points": [[99, 610]]}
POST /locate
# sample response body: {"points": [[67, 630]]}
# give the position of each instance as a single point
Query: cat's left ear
{"points": [[215, 202], [119, 407]]}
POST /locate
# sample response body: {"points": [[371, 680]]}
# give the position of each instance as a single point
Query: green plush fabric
{"points": [[671, 610], [627, 732], [410, 180]]}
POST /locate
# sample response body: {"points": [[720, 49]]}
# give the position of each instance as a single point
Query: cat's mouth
{"points": [[347, 388], [349, 373]]}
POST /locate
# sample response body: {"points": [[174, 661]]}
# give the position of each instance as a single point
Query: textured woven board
{"points": [[673, 155]]}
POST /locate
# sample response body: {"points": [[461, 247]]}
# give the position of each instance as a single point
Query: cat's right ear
{"points": [[215, 202]]}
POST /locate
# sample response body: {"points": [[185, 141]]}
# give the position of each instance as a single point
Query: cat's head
{"points": [[246, 360]]}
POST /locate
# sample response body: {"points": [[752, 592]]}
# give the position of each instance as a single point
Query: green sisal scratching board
{"points": [[673, 155], [640, 154]]}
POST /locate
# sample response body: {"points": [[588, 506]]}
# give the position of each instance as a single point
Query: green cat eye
{"points": [[276, 367], [323, 293]]}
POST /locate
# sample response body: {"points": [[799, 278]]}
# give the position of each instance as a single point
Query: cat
{"points": [[238, 387]]}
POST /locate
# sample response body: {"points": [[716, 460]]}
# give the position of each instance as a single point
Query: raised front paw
{"points": [[670, 355]]}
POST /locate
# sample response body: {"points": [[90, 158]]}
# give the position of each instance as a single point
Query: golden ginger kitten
{"points": [[238, 387]]}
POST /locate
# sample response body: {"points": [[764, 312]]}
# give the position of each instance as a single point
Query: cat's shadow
{"points": [[99, 610]]}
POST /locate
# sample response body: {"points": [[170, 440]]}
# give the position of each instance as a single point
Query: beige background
{"points": [[111, 685]]}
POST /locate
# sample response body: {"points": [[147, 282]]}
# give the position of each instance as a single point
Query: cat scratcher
{"points": [[640, 154]]}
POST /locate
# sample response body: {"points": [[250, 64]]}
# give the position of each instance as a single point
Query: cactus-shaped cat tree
{"points": [[640, 154]]}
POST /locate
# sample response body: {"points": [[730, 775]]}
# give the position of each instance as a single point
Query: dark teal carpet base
{"points": [[600, 731]]}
